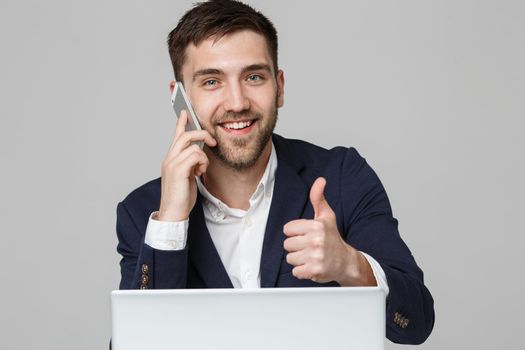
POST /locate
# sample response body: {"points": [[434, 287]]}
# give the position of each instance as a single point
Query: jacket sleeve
{"points": [[141, 266], [370, 227]]}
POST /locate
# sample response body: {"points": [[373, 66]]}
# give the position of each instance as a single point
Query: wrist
{"points": [[163, 215], [356, 270]]}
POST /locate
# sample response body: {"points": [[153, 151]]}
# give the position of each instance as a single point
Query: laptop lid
{"points": [[231, 319]]}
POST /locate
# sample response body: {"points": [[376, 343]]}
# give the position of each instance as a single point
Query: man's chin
{"points": [[236, 157]]}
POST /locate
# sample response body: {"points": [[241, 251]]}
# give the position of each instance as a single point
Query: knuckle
{"points": [[184, 137], [318, 241], [195, 148], [318, 226], [318, 255], [316, 271], [194, 156]]}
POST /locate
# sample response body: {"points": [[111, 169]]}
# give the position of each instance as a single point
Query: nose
{"points": [[236, 100]]}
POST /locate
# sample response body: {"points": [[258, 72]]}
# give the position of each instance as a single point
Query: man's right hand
{"points": [[184, 161]]}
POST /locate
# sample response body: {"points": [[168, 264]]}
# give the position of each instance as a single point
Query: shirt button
{"points": [[248, 222], [218, 215], [247, 275]]}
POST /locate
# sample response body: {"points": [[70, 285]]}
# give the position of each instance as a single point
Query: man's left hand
{"points": [[318, 251]]}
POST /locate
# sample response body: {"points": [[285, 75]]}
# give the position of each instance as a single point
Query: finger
{"points": [[187, 138], [210, 140], [297, 258], [193, 148], [173, 160], [302, 227], [181, 124], [193, 151], [302, 272], [186, 166], [296, 243], [201, 166], [319, 203]]}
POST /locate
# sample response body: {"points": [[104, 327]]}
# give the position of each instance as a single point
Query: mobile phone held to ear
{"points": [[180, 102]]}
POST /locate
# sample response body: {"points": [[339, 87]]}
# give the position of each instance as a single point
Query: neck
{"points": [[231, 186]]}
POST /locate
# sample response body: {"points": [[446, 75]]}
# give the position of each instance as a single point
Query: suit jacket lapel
{"points": [[203, 253], [288, 203]]}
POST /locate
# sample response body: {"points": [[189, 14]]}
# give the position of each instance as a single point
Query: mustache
{"points": [[236, 116]]}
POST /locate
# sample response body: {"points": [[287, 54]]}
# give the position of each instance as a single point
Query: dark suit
{"points": [[364, 219]]}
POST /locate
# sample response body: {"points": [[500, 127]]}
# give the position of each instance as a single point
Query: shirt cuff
{"points": [[166, 235], [379, 274]]}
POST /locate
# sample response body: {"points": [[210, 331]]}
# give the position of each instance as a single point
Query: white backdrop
{"points": [[431, 93]]}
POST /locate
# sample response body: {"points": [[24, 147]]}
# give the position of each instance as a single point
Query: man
{"points": [[253, 209]]}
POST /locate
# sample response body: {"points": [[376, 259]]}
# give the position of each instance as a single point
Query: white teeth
{"points": [[238, 125]]}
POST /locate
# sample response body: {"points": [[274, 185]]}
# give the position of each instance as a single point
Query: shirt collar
{"points": [[219, 210]]}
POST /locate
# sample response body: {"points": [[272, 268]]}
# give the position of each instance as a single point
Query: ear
{"points": [[280, 88], [172, 86]]}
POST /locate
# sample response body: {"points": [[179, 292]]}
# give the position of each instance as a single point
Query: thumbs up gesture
{"points": [[318, 251]]}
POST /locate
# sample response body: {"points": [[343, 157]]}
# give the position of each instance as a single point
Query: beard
{"points": [[241, 153]]}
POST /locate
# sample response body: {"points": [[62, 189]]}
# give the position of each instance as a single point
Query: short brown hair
{"points": [[216, 18]]}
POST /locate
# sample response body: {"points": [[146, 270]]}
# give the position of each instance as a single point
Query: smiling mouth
{"points": [[240, 125]]}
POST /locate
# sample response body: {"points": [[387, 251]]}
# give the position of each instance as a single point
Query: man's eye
{"points": [[210, 82], [254, 77]]}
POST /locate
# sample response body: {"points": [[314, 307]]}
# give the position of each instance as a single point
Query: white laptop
{"points": [[249, 319]]}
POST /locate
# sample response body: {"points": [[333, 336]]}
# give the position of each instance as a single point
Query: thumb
{"points": [[319, 203]]}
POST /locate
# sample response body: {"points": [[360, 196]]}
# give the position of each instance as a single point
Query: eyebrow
{"points": [[260, 66], [215, 71], [206, 71]]}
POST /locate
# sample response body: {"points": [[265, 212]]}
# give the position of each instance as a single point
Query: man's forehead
{"points": [[229, 52]]}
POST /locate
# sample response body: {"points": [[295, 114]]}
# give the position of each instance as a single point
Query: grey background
{"points": [[431, 93]]}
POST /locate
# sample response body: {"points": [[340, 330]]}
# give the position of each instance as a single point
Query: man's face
{"points": [[235, 93]]}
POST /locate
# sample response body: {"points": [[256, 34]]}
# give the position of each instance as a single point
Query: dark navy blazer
{"points": [[364, 219]]}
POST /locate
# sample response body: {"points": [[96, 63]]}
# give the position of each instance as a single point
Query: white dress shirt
{"points": [[237, 234]]}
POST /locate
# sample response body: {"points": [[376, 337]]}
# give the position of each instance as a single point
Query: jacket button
{"points": [[400, 320], [145, 268], [144, 279], [397, 318], [404, 324]]}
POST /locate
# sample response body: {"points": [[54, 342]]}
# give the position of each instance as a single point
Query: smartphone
{"points": [[180, 101]]}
